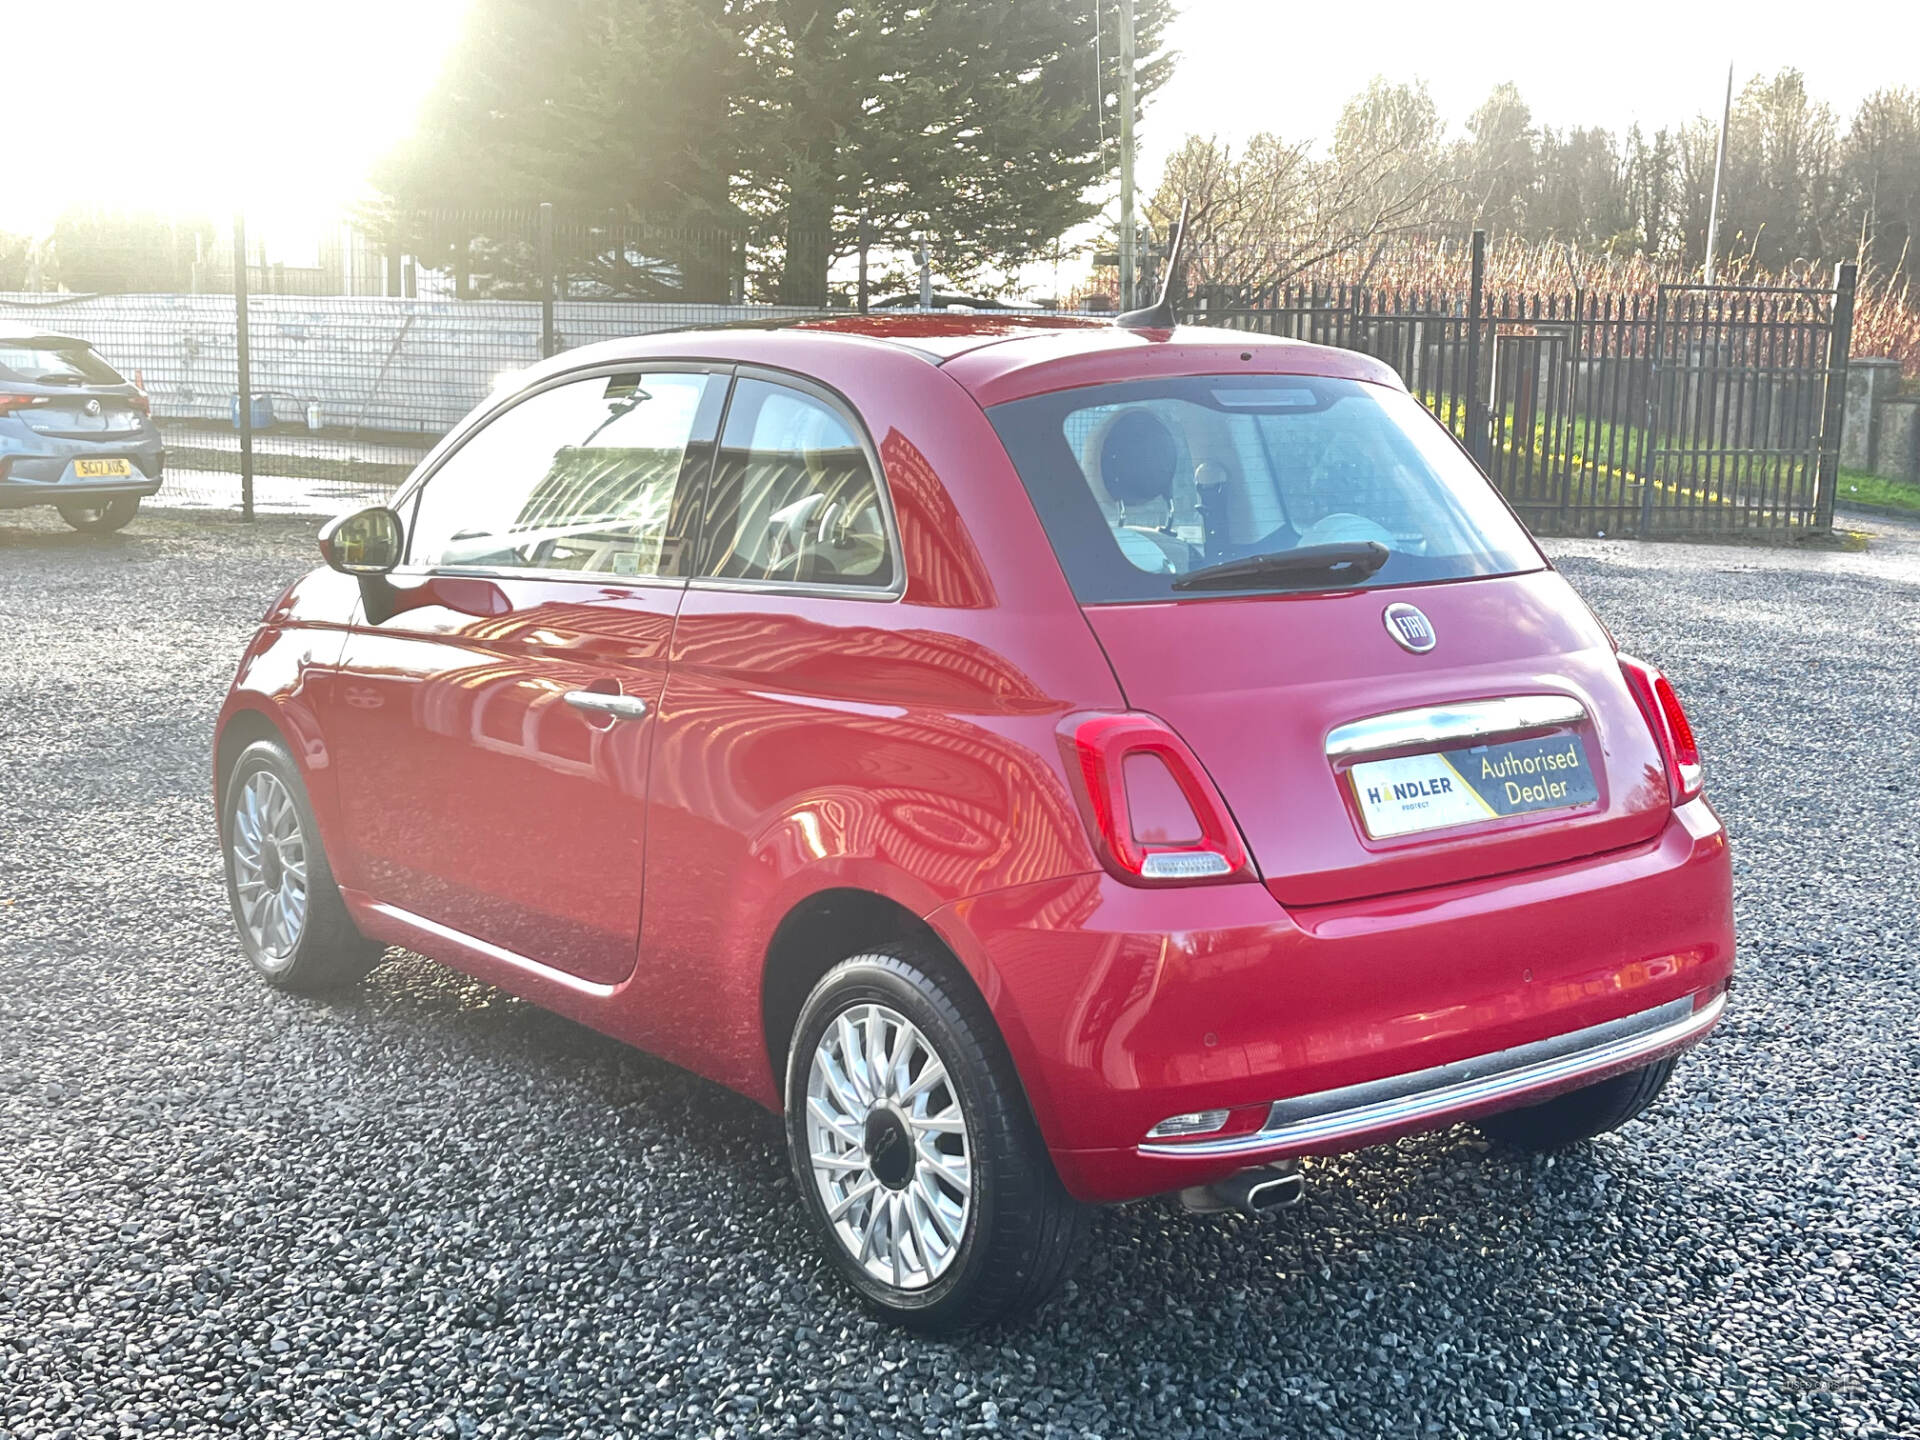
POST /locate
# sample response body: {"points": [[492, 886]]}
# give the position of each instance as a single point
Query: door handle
{"points": [[618, 707]]}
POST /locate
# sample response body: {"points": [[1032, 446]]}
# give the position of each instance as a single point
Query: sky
{"points": [[1253, 65], [283, 105], [199, 105]]}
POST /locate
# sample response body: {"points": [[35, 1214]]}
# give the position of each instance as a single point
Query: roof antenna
{"points": [[1160, 315]]}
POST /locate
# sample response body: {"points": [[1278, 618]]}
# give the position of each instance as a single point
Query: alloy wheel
{"points": [[269, 865], [889, 1147]]}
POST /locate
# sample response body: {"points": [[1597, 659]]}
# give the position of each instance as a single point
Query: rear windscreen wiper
{"points": [[1346, 560]]}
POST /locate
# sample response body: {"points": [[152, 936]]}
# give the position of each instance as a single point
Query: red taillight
{"points": [[1153, 813], [140, 402], [1669, 725], [10, 403]]}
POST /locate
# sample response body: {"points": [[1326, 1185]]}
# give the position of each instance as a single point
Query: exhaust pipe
{"points": [[1256, 1191]]}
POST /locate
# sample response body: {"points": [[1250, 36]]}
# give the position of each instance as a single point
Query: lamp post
{"points": [[1719, 166]]}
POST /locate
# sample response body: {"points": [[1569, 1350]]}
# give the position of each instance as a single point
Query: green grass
{"points": [[1857, 487], [1603, 459]]}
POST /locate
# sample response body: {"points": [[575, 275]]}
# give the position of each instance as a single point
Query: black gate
{"points": [[1743, 419], [1566, 384], [1707, 410]]}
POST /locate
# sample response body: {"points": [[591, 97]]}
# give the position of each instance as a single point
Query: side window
{"points": [[794, 497], [583, 477]]}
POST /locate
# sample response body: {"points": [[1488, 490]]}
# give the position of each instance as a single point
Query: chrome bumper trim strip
{"points": [[1401, 1099], [1453, 724]]}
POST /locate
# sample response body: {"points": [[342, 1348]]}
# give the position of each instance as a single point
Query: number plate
{"points": [[1479, 782], [102, 469]]}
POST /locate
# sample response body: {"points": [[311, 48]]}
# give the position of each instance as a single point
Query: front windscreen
{"points": [[1144, 483]]}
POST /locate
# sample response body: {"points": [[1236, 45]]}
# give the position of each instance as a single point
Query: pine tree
{"points": [[812, 126]]}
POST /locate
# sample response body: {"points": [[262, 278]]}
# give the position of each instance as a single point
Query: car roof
{"points": [[995, 358], [1000, 357], [15, 330], [933, 335], [1112, 354]]}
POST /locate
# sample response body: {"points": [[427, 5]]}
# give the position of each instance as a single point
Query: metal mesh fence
{"points": [[349, 392], [360, 361], [1588, 411]]}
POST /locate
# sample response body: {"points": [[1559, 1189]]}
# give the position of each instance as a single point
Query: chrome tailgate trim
{"points": [[1453, 724]]}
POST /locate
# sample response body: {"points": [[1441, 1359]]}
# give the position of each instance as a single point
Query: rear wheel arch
{"points": [[833, 925], [815, 935]]}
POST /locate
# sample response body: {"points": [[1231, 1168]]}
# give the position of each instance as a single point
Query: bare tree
{"points": [[1277, 210]]}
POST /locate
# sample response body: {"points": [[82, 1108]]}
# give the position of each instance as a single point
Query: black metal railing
{"points": [[1695, 409], [1686, 410]]}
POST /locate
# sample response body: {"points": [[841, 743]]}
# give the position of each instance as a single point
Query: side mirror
{"points": [[367, 542]]}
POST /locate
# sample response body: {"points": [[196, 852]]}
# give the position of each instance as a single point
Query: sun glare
{"points": [[199, 106]]}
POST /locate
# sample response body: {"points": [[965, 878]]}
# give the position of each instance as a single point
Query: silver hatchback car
{"points": [[74, 432]]}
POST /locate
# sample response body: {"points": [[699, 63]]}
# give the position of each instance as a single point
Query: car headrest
{"points": [[1137, 458]]}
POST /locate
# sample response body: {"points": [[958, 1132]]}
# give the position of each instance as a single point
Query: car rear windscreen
{"points": [[1142, 483], [53, 362]]}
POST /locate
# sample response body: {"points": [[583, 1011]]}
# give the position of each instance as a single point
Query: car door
{"points": [[789, 666], [495, 717]]}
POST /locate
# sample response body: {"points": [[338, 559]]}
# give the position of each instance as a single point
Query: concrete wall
{"points": [[374, 363], [1896, 439], [1881, 432]]}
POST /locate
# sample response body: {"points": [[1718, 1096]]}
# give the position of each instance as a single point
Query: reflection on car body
{"points": [[1050, 764]]}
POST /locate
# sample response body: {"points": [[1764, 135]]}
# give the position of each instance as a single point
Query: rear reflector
{"points": [[1199, 865], [1668, 721], [1212, 1124], [1153, 814], [1197, 1122]]}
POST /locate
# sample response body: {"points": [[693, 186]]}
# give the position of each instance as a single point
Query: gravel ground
{"points": [[428, 1208]]}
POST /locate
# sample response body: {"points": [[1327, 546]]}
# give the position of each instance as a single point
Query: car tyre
{"points": [[293, 924], [922, 1247], [1581, 1114], [102, 517]]}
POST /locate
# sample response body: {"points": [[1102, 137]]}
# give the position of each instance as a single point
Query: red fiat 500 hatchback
{"points": [[1051, 763]]}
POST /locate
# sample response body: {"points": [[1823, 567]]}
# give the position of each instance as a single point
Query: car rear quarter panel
{"points": [[810, 742]]}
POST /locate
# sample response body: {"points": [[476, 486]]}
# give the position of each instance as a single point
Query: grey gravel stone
{"points": [[427, 1208]]}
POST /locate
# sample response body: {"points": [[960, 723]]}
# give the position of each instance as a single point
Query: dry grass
{"points": [[1886, 316]]}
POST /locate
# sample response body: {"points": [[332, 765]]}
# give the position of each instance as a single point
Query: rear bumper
{"points": [[17, 495], [37, 469], [1339, 1026], [1354, 1114]]}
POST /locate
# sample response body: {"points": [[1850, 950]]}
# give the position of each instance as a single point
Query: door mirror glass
{"points": [[367, 542]]}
